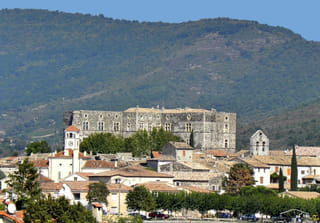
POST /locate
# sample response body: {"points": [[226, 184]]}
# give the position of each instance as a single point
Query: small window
{"points": [[100, 126], [226, 143], [100, 116], [168, 127], [149, 127], [302, 172], [116, 126], [76, 196], [263, 146], [128, 126], [188, 127], [85, 125], [141, 125], [85, 115]]}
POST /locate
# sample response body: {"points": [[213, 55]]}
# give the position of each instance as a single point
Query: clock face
{"points": [[70, 143]]}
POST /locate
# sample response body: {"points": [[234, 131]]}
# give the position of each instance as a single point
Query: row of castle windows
{"points": [[116, 126]]}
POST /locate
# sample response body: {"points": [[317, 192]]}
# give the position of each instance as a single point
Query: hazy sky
{"points": [[300, 16]]}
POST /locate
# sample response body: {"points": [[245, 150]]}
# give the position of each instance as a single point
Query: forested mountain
{"points": [[54, 61]]}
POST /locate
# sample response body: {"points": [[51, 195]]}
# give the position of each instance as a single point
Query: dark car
{"points": [[248, 218], [158, 214]]}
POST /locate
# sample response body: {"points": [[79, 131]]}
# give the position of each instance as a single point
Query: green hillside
{"points": [[300, 126], [54, 61]]}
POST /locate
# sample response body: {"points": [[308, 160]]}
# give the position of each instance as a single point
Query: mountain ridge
{"points": [[73, 61]]}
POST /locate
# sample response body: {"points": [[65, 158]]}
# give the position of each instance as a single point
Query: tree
{"points": [[98, 192], [281, 183], [48, 209], [102, 143], [294, 171], [38, 147], [240, 175], [23, 184], [140, 199]]}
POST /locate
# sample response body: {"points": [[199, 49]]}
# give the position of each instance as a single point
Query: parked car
{"points": [[248, 218], [158, 214]]}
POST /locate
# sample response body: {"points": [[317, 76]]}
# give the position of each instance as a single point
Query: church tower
{"points": [[259, 144], [71, 145]]}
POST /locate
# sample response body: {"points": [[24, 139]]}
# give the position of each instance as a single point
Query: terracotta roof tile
{"points": [[79, 186], [96, 205], [195, 189], [44, 179], [84, 175], [48, 187], [40, 163], [131, 171], [70, 153], [305, 151], [98, 164], [156, 154], [11, 217], [115, 188], [160, 187], [303, 194], [218, 153], [72, 128]]}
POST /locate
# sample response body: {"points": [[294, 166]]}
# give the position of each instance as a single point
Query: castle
{"points": [[211, 129]]}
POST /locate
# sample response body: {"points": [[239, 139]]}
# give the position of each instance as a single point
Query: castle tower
{"points": [[259, 144], [71, 143]]}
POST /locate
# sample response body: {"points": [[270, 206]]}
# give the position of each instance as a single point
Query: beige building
{"points": [[211, 129]]}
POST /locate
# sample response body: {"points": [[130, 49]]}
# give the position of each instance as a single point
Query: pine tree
{"points": [[22, 184], [294, 171], [281, 183]]}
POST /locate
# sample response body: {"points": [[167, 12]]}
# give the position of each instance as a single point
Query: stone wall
{"points": [[211, 129]]}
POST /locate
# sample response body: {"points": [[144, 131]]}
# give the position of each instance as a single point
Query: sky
{"points": [[300, 16]]}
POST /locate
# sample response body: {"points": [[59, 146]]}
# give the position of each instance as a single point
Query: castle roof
{"points": [[157, 110]]}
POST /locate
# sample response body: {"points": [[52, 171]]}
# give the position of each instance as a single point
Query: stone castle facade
{"points": [[211, 129]]}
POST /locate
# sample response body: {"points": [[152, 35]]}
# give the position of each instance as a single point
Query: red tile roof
{"points": [[11, 218], [131, 171], [40, 163], [96, 205], [156, 154], [218, 153], [49, 187], [159, 187], [42, 178], [196, 189], [72, 128], [79, 186], [115, 188], [70, 153], [98, 164]]}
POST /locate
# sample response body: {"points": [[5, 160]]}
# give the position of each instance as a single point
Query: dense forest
{"points": [[51, 62]]}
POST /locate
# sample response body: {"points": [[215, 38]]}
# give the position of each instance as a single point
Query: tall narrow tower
{"points": [[71, 143]]}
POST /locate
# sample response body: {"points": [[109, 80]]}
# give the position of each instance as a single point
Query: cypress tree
{"points": [[281, 183], [294, 171]]}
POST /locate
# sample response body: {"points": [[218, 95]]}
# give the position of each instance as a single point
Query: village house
{"points": [[130, 176]]}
